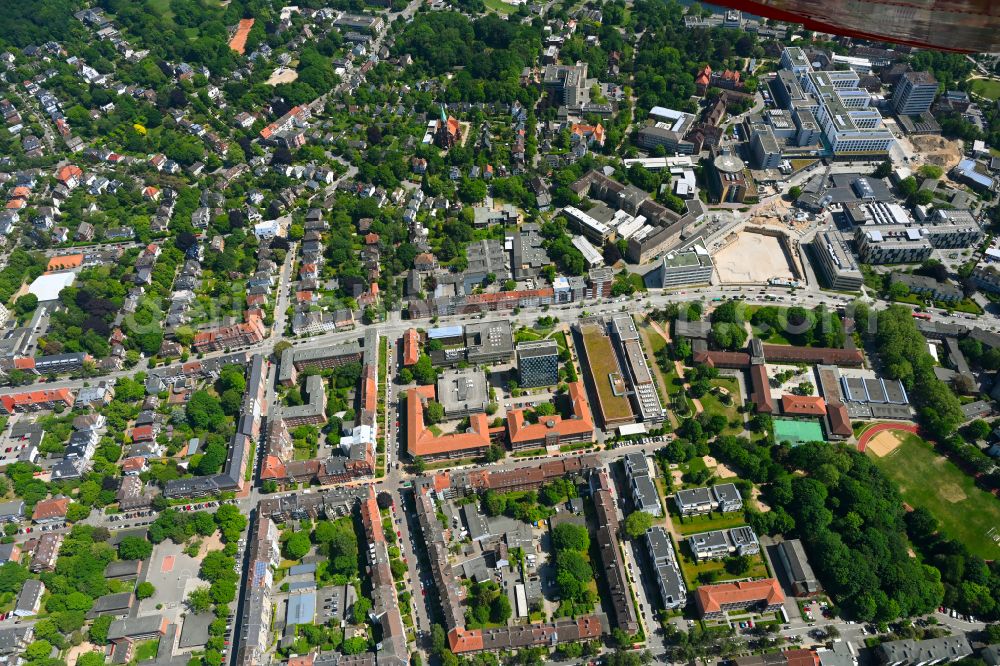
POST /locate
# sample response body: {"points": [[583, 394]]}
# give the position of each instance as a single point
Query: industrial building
{"points": [[792, 557]]}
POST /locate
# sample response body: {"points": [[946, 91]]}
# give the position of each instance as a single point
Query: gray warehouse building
{"points": [[793, 559]]}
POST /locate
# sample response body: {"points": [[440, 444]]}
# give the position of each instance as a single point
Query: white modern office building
{"points": [[850, 126]]}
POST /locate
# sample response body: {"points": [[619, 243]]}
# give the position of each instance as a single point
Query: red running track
{"points": [[867, 435]]}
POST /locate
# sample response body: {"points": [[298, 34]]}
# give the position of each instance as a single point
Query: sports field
{"points": [[797, 432], [929, 480]]}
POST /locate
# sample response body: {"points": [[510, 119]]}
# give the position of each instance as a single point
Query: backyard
{"points": [[714, 571], [929, 480], [706, 523]]}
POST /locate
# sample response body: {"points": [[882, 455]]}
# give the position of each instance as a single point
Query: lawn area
{"points": [[162, 7], [712, 402], [526, 335], [801, 164], [560, 338], [604, 370], [929, 480], [987, 88], [706, 523], [654, 341], [500, 6], [147, 650], [445, 464], [692, 570]]}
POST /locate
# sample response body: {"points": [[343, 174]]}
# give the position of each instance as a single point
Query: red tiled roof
{"points": [[51, 508], [442, 481], [722, 359], [582, 422], [12, 401], [272, 468], [411, 347], [463, 640], [713, 598], [840, 420], [820, 355], [803, 405], [761, 394], [142, 433], [136, 464], [420, 441], [801, 657], [498, 297], [67, 172]]}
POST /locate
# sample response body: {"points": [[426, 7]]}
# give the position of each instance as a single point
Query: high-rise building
{"points": [[914, 94], [538, 363], [833, 255], [692, 266]]}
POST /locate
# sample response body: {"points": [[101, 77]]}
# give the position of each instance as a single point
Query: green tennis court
{"points": [[797, 432]]}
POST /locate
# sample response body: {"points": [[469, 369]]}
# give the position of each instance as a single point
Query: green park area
{"points": [[723, 398], [987, 88], [929, 480]]}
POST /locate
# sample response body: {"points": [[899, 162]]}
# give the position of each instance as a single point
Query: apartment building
{"points": [[644, 494], [719, 544], [722, 498], [312, 412], [239, 335], [669, 580]]}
